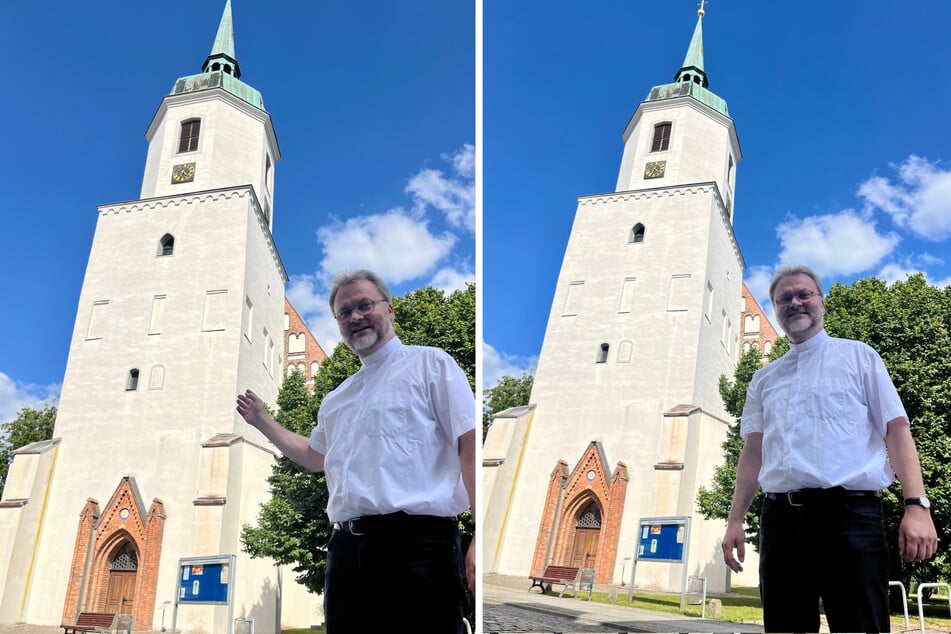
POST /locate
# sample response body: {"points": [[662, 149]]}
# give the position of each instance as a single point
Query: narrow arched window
{"points": [[188, 141], [167, 244], [132, 382], [637, 233], [603, 353], [661, 139]]}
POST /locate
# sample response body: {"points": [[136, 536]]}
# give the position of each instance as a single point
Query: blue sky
{"points": [[841, 110], [374, 108]]}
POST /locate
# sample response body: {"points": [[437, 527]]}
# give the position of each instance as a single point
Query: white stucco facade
{"points": [[182, 307], [644, 321]]}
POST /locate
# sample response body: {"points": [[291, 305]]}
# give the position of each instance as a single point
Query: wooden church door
{"points": [[584, 551], [122, 573]]}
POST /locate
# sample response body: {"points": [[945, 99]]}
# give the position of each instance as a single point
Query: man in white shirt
{"points": [[820, 427], [397, 444]]}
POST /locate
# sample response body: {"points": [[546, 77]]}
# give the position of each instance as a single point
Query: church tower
{"points": [[182, 306], [625, 419]]}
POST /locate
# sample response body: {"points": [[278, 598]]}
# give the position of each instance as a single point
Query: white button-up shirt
{"points": [[823, 408], [390, 432]]}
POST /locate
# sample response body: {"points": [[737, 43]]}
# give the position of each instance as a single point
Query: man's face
{"points": [[364, 333], [799, 319]]}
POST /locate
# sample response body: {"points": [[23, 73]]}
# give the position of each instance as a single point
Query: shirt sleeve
{"points": [[452, 399], [884, 403], [751, 420], [318, 437]]}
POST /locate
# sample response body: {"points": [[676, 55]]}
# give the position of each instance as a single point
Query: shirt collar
{"points": [[811, 343], [388, 348]]}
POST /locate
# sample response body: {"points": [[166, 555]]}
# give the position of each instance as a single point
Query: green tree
{"points": [[508, 392], [293, 528], [30, 425]]}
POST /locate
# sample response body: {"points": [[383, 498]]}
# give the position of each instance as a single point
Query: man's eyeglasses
{"points": [[802, 296], [363, 308]]}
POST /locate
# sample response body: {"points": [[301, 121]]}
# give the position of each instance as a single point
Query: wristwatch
{"points": [[922, 501]]}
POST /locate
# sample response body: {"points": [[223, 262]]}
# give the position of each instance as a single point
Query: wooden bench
{"points": [[563, 575], [90, 622]]}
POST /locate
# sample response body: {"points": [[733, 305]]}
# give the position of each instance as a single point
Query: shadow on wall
{"points": [[267, 620]]}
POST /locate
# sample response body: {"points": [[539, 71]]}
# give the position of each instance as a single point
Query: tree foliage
{"points": [[508, 392], [909, 324], [293, 528], [30, 425], [715, 502]]}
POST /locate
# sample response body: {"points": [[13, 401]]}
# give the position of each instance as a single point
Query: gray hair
{"points": [[794, 269], [349, 277]]}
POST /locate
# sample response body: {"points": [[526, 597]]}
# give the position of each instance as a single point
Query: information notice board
{"points": [[205, 581], [662, 539]]}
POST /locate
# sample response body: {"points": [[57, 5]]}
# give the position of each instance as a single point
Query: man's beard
{"points": [[363, 339]]}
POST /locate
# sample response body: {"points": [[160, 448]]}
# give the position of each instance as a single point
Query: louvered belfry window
{"points": [[661, 137], [189, 139]]}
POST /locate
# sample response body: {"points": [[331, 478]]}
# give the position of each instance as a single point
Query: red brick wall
{"points": [[312, 350], [567, 496], [105, 534]]}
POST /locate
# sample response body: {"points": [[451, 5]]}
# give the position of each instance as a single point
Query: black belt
{"points": [[399, 521], [802, 497]]}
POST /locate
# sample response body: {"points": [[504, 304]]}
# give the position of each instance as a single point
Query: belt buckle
{"points": [[350, 527], [789, 498]]}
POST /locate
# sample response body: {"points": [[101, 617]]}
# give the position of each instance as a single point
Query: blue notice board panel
{"points": [[662, 539], [205, 580]]}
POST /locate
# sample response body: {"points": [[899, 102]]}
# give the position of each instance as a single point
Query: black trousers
{"points": [[831, 547], [395, 573]]}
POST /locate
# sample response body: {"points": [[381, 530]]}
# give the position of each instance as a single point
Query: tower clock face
{"points": [[655, 169], [184, 173]]}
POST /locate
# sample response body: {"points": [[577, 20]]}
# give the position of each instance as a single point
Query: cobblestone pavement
{"points": [[508, 607]]}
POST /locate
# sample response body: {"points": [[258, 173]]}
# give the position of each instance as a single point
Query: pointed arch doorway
{"points": [[120, 589], [584, 550]]}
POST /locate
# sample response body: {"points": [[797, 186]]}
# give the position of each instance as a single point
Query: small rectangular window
{"points": [[573, 301], [678, 298], [661, 139], [188, 141], [97, 320], [216, 310], [627, 296], [249, 317], [158, 315]]}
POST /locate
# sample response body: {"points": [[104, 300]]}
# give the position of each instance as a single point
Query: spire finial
{"points": [[701, 11]]}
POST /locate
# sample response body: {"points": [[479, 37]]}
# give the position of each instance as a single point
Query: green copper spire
{"points": [[222, 51], [692, 69], [691, 79], [221, 69]]}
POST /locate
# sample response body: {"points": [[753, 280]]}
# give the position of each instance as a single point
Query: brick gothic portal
{"points": [[581, 523], [116, 557]]}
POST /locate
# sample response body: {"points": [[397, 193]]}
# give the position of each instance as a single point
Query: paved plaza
{"points": [[508, 607]]}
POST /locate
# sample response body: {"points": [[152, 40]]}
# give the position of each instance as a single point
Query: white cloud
{"points": [[919, 200], [14, 396], [463, 161], [393, 244], [899, 270], [834, 244], [497, 364], [453, 196], [449, 280]]}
